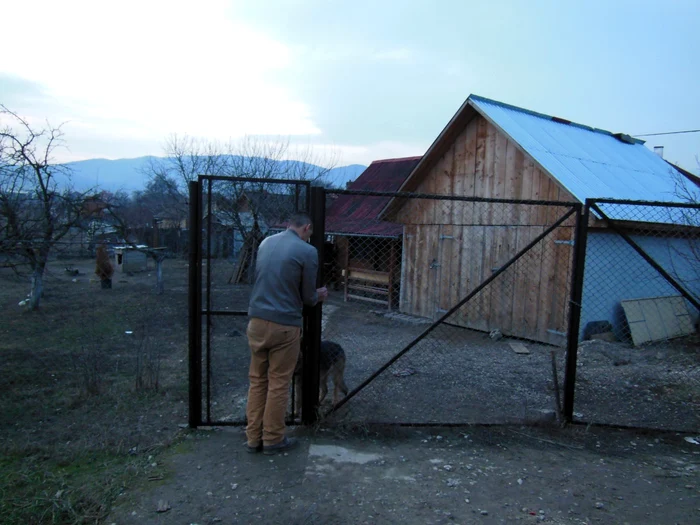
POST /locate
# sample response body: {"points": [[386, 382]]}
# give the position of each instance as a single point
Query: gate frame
{"points": [[312, 316], [315, 207], [581, 241], [194, 299], [575, 209]]}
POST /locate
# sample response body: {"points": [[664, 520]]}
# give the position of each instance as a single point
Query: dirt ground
{"points": [[436, 476], [95, 393], [90, 383], [476, 379]]}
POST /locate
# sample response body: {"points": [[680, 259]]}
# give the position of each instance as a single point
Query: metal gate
{"points": [[229, 217], [427, 297], [638, 364], [453, 310]]}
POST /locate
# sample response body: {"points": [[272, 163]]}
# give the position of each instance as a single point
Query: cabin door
{"points": [[446, 269]]}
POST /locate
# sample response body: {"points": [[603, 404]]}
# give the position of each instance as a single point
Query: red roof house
{"points": [[366, 251]]}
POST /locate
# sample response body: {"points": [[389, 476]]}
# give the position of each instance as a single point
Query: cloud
{"points": [[152, 68], [123, 76], [454, 69], [401, 56], [352, 52], [342, 155]]}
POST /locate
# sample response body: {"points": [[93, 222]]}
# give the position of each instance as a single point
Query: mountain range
{"points": [[129, 174]]}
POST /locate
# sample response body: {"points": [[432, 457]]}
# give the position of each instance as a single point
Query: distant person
{"points": [[285, 281], [103, 267]]}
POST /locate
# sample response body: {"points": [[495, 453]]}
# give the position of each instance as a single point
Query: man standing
{"points": [[285, 281]]}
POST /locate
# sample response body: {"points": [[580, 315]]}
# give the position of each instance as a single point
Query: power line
{"points": [[668, 133]]}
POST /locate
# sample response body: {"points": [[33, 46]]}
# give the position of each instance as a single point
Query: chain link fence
{"points": [[448, 311], [638, 356]]}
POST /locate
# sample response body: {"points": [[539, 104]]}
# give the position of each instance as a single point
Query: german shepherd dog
{"points": [[331, 364]]}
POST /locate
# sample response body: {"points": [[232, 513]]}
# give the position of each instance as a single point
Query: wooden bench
{"points": [[368, 281]]}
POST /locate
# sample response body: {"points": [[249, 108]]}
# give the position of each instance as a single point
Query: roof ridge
{"points": [[553, 118], [397, 159]]}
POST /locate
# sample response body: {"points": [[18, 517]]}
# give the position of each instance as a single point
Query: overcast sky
{"points": [[368, 79]]}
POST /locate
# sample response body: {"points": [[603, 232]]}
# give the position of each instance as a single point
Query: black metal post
{"points": [[312, 316], [208, 313], [195, 310], [577, 273]]}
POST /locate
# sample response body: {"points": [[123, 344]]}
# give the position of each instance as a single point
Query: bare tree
{"points": [[37, 205], [125, 217], [685, 254], [252, 207], [248, 207], [185, 158], [254, 157], [686, 185]]}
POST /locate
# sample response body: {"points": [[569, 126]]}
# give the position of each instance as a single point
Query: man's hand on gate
{"points": [[322, 294]]}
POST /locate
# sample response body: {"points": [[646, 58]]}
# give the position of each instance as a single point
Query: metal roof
{"points": [[587, 162], [359, 214]]}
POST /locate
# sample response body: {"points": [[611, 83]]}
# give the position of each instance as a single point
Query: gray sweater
{"points": [[285, 279]]}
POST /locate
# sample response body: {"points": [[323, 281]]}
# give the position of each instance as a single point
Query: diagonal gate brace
{"points": [[452, 310]]}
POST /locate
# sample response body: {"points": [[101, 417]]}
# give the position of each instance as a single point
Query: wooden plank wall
{"points": [[470, 240]]}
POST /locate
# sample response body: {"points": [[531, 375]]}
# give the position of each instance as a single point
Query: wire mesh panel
{"points": [[237, 214], [447, 310], [638, 359]]}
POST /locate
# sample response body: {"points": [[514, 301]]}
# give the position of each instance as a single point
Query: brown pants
{"points": [[274, 350]]}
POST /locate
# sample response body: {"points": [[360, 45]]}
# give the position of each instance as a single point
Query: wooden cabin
{"points": [[493, 150]]}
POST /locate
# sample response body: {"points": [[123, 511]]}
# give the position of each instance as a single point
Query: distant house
{"points": [[494, 150], [252, 214], [88, 224], [262, 207]]}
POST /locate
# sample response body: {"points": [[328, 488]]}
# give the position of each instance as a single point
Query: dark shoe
{"points": [[282, 446], [255, 449]]}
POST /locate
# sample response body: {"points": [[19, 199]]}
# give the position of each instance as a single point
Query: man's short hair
{"points": [[299, 220]]}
